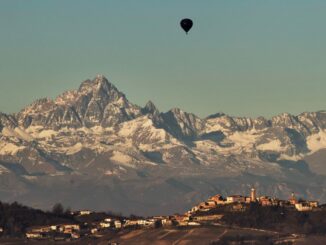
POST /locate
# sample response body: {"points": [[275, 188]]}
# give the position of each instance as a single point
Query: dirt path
{"points": [[220, 236], [183, 237], [166, 234], [132, 234]]}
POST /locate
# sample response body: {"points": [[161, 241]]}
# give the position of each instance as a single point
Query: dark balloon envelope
{"points": [[186, 24]]}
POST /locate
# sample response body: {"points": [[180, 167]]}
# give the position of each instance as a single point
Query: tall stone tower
{"points": [[293, 199], [253, 195]]}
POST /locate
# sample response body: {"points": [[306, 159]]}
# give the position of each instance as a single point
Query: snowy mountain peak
{"points": [[94, 135], [99, 83], [100, 76], [177, 110]]}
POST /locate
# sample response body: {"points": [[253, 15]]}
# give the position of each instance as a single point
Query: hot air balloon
{"points": [[186, 24]]}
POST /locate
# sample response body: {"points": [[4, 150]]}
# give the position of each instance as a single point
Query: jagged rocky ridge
{"points": [[136, 159]]}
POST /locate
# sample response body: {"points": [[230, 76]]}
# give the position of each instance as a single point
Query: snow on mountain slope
{"points": [[274, 145], [143, 131], [46, 134], [3, 170], [317, 141], [244, 139], [22, 134], [122, 158], [97, 116], [9, 148], [95, 133], [74, 149]]}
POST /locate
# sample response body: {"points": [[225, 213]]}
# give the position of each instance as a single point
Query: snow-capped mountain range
{"points": [[92, 148]]}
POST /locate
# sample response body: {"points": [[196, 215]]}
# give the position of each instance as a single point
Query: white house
{"points": [[303, 207], [117, 224], [105, 225]]}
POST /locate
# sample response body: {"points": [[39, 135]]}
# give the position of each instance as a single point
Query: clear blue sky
{"points": [[241, 57]]}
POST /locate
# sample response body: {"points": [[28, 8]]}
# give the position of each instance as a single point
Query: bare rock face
{"points": [[96, 102], [93, 142], [7, 121]]}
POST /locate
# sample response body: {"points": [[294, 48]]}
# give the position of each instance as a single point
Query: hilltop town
{"points": [[215, 211], [239, 202]]}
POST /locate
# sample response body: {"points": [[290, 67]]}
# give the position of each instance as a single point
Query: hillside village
{"points": [[238, 202], [208, 212]]}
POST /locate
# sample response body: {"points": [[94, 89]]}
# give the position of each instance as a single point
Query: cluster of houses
{"points": [[197, 216], [72, 231], [200, 214], [57, 232], [239, 201], [75, 231]]}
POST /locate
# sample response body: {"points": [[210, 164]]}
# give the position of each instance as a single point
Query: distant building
{"points": [[94, 230], [140, 222], [275, 202], [33, 235], [117, 224], [303, 207], [181, 217], [293, 199], [313, 204], [40, 229], [108, 220], [253, 195], [131, 222], [192, 223], [235, 198], [194, 209], [166, 222], [85, 212], [105, 225], [210, 204], [54, 227], [265, 201], [203, 206], [68, 228], [218, 199], [208, 217]]}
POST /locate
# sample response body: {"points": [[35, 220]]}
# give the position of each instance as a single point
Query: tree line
{"points": [[278, 218], [15, 218]]}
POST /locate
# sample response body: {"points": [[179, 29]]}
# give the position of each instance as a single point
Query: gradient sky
{"points": [[244, 58]]}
